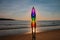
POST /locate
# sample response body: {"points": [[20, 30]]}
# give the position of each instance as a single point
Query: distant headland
{"points": [[6, 19]]}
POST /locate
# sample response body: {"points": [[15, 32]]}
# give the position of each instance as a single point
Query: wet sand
{"points": [[47, 35]]}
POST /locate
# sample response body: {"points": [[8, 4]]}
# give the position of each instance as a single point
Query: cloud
{"points": [[22, 8]]}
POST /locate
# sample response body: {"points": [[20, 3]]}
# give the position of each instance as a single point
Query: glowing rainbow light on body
{"points": [[33, 18]]}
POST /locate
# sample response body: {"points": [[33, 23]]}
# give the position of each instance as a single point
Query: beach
{"points": [[47, 35], [21, 30]]}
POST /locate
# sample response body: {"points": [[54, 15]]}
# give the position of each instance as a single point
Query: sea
{"points": [[12, 27]]}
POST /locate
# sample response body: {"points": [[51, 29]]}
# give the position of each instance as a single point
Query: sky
{"points": [[21, 9]]}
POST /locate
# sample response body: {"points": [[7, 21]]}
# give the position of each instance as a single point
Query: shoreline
{"points": [[47, 35]]}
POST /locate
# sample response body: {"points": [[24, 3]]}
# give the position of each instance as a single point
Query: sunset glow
{"points": [[21, 9]]}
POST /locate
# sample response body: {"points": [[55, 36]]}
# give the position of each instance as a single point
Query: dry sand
{"points": [[48, 35]]}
